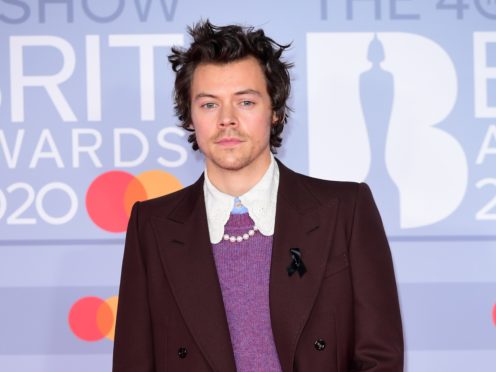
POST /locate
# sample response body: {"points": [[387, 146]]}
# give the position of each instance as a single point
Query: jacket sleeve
{"points": [[133, 344], [378, 330]]}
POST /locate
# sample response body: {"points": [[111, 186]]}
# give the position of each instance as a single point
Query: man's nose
{"points": [[227, 117]]}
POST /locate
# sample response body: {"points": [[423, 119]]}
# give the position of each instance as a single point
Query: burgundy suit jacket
{"points": [[171, 315]]}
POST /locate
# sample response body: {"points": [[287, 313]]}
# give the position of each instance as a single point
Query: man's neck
{"points": [[238, 182]]}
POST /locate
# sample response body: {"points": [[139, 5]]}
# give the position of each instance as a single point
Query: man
{"points": [[253, 267]]}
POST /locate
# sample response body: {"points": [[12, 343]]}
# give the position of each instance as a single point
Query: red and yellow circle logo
{"points": [[111, 195], [92, 318]]}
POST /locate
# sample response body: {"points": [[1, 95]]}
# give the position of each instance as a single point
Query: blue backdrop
{"points": [[398, 93]]}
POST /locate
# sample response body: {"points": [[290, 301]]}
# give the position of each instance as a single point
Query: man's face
{"points": [[232, 114]]}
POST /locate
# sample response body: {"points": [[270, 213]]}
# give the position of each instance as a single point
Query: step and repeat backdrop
{"points": [[398, 93]]}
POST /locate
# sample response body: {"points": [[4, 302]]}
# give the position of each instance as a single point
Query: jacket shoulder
{"points": [[345, 191], [163, 205]]}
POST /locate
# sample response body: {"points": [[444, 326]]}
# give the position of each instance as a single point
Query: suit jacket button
{"points": [[182, 352], [319, 345]]}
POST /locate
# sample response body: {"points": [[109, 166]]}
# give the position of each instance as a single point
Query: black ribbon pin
{"points": [[296, 263]]}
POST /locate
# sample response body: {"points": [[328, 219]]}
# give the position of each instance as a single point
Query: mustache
{"points": [[230, 133]]}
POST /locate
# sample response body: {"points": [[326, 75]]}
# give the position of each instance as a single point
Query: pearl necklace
{"points": [[240, 238]]}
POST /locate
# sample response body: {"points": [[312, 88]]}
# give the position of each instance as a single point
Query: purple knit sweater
{"points": [[243, 269]]}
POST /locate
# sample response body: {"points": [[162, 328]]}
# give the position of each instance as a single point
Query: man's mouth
{"points": [[228, 141]]}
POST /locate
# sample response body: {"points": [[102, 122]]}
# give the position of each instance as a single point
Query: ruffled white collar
{"points": [[260, 201]]}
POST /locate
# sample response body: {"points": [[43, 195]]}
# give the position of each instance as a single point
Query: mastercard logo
{"points": [[92, 319], [494, 315], [111, 196]]}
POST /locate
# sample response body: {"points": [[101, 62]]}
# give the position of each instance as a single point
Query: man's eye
{"points": [[247, 103], [208, 105]]}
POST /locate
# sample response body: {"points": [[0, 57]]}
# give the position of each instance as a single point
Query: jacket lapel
{"points": [[186, 255], [306, 223]]}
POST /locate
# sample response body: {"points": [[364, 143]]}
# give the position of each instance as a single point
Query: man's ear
{"points": [[274, 118], [191, 126]]}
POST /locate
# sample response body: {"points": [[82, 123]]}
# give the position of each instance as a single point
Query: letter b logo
{"points": [[374, 104]]}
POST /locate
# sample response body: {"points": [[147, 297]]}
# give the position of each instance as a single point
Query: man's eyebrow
{"points": [[248, 91], [203, 95], [238, 93]]}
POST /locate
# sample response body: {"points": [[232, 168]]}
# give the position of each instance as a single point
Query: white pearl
{"points": [[240, 238]]}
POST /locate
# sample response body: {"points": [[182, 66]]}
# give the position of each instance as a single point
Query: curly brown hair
{"points": [[223, 44]]}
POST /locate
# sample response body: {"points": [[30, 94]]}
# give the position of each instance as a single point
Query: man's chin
{"points": [[231, 165]]}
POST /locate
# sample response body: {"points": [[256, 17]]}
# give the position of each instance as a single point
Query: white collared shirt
{"points": [[260, 201]]}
